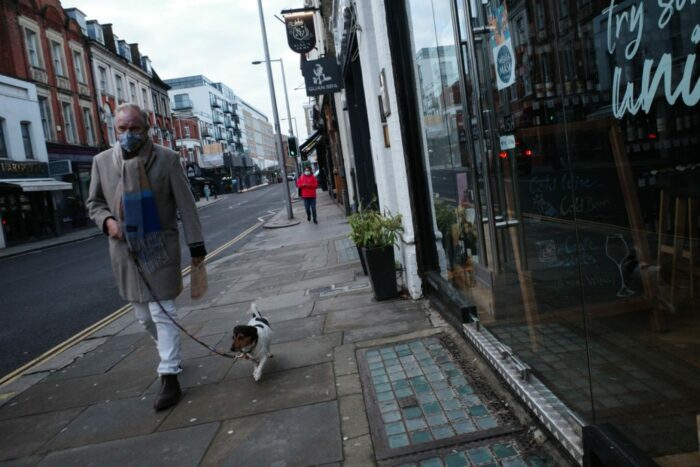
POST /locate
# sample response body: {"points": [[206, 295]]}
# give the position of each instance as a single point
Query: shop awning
{"points": [[37, 184], [308, 145]]}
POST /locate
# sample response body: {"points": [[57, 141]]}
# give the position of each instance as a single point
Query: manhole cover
{"points": [[421, 401]]}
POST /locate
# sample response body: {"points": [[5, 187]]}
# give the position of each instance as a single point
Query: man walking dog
{"points": [[136, 190]]}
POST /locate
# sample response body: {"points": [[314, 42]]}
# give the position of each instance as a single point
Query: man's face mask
{"points": [[307, 172], [130, 142]]}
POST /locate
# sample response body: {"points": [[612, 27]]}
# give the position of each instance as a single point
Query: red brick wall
{"points": [[15, 62]]}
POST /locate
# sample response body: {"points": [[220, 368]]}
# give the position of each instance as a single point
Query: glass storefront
{"points": [[561, 139]]}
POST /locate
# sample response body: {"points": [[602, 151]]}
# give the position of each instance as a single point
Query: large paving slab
{"points": [[109, 421], [242, 397], [290, 355], [370, 316], [97, 362], [184, 447], [344, 302], [20, 437], [414, 321], [275, 439], [297, 329], [317, 282], [78, 392]]}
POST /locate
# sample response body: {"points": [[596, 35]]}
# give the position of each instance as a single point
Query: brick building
{"points": [[44, 46]]}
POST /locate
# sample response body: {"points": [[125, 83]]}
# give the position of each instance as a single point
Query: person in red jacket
{"points": [[308, 185]]}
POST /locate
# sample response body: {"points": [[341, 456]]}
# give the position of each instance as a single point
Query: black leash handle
{"points": [[150, 290]]}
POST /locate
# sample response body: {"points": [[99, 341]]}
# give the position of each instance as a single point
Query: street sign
{"points": [[301, 31], [322, 76]]}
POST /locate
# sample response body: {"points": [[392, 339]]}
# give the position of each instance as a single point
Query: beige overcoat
{"points": [[172, 193]]}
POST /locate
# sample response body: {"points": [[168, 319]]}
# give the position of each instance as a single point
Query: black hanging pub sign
{"points": [[301, 32]]}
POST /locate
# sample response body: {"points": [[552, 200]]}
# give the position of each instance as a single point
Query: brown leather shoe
{"points": [[169, 394]]}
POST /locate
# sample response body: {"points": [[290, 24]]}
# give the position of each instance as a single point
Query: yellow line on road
{"points": [[108, 319]]}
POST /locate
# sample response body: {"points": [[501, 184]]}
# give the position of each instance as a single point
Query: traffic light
{"points": [[293, 149]]}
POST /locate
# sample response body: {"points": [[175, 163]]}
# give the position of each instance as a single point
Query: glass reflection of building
{"points": [[567, 209]]}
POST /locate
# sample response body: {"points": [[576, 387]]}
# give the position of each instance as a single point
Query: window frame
{"points": [[37, 44], [46, 117], [79, 66], [4, 151], [88, 123], [58, 59], [104, 79], [69, 122], [132, 93], [26, 132], [119, 88]]}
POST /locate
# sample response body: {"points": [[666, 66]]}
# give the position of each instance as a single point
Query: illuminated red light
{"points": [[651, 136], [503, 155], [528, 152]]}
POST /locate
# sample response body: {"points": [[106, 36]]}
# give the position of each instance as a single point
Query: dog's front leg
{"points": [[257, 372]]}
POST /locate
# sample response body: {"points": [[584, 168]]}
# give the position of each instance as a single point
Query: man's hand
{"points": [[196, 261], [113, 229]]}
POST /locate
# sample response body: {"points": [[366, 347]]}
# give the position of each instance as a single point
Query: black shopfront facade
{"points": [[28, 198], [554, 145]]}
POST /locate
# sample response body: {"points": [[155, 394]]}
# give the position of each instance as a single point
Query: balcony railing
{"points": [[229, 123], [228, 108], [215, 102], [207, 132], [218, 119], [182, 104]]}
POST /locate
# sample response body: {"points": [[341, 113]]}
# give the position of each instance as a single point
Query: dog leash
{"points": [[150, 290]]}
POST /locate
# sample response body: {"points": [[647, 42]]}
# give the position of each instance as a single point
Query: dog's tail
{"points": [[254, 310]]}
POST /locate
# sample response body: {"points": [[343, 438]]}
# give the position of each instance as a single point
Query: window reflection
{"points": [[587, 155]]}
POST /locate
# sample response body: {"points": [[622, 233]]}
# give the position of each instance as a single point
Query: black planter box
{"points": [[382, 272]]}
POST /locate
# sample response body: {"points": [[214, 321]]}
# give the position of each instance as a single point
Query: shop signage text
{"points": [[15, 169], [630, 21], [322, 76], [301, 35]]}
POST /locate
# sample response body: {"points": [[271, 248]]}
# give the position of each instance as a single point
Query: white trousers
{"points": [[165, 334]]}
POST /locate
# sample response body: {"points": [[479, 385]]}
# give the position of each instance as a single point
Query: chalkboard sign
{"points": [[590, 194], [568, 263]]}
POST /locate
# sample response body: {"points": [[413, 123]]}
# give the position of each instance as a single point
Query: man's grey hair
{"points": [[143, 113]]}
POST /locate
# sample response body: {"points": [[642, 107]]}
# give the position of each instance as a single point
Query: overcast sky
{"points": [[214, 38]]}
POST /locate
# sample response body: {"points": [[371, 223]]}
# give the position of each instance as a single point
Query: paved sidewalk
{"points": [[352, 382]]}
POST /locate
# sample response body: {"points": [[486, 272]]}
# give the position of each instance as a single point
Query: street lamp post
{"points": [[275, 115], [286, 96]]}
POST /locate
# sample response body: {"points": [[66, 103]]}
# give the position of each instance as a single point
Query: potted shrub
{"points": [[358, 232], [376, 236]]}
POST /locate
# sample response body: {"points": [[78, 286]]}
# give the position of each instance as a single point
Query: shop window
{"points": [[27, 140], [592, 248], [3, 144]]}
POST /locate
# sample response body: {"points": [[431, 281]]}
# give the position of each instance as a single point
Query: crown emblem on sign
{"points": [[297, 23]]}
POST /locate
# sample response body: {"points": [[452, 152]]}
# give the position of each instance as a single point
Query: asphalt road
{"points": [[49, 295]]}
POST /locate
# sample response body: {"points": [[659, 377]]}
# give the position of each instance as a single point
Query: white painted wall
{"points": [[19, 103], [389, 163]]}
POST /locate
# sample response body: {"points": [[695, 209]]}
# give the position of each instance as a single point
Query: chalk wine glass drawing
{"points": [[617, 250]]}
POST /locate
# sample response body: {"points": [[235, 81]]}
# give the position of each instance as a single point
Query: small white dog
{"points": [[252, 341]]}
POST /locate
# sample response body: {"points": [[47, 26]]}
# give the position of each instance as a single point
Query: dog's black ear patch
{"points": [[246, 331]]}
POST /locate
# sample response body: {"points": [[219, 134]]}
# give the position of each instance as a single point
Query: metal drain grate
{"points": [[424, 407]]}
